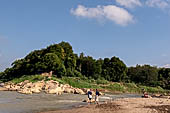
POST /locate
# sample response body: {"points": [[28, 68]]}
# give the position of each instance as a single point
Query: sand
{"points": [[126, 105]]}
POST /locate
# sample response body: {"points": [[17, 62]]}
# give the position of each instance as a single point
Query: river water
{"points": [[13, 102]]}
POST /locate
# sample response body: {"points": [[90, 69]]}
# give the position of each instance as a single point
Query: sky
{"points": [[136, 31]]}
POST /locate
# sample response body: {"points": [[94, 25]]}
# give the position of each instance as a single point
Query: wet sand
{"points": [[126, 105]]}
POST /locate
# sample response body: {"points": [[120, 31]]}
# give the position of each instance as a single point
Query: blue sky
{"points": [[136, 31]]}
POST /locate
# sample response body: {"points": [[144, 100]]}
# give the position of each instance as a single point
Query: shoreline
{"points": [[126, 105], [13, 102]]}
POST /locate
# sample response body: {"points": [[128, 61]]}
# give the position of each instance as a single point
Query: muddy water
{"points": [[13, 102]]}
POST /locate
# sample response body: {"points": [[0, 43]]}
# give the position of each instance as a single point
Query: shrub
{"points": [[31, 78]]}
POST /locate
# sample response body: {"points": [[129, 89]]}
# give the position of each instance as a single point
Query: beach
{"points": [[13, 102], [125, 105]]}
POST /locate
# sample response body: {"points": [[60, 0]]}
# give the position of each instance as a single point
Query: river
{"points": [[13, 102]]}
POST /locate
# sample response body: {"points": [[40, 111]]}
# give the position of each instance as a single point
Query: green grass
{"points": [[117, 87], [79, 83], [83, 82], [131, 88], [153, 89]]}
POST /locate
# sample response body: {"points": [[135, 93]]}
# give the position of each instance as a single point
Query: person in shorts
{"points": [[89, 93]]}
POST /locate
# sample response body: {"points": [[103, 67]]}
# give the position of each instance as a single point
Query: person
{"points": [[89, 93], [97, 96]]}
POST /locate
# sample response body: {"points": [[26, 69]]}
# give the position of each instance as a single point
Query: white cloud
{"points": [[111, 12], [166, 66], [157, 3], [129, 3]]}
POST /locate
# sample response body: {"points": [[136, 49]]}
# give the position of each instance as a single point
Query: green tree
{"points": [[164, 77], [51, 62], [145, 74], [114, 69]]}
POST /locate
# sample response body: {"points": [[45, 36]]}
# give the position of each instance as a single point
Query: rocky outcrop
{"points": [[51, 87]]}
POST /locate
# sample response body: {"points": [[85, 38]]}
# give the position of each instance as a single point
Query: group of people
{"points": [[89, 93]]}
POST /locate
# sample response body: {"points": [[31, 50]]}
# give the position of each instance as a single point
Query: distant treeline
{"points": [[61, 59]]}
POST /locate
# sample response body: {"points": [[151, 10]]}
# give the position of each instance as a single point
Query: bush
{"points": [[132, 87], [31, 78], [101, 81], [77, 73], [78, 83], [116, 87], [152, 89]]}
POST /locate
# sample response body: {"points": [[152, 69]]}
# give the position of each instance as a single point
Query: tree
{"points": [[88, 66], [114, 69], [145, 74], [56, 49], [164, 77], [51, 62]]}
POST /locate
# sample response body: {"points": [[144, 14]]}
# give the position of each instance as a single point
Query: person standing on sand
{"points": [[89, 93], [97, 97]]}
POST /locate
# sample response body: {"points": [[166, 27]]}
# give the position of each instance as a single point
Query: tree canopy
{"points": [[61, 59]]}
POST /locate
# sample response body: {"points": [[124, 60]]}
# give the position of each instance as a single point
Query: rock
{"points": [[157, 95], [93, 92], [79, 91], [101, 93], [39, 84], [14, 88], [25, 91], [28, 85], [8, 86], [46, 87], [67, 86], [57, 90], [68, 90], [36, 89], [3, 89], [49, 74], [2, 84]]}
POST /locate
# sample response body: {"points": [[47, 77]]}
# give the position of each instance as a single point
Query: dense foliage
{"points": [[61, 59]]}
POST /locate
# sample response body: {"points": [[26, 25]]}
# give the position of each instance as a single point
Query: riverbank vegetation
{"points": [[84, 82], [85, 71]]}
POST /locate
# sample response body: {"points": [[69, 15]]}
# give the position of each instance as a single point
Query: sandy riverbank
{"points": [[126, 105]]}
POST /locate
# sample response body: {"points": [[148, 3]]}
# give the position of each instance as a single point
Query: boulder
{"points": [[79, 91], [28, 85], [57, 90], [8, 86], [14, 88], [2, 84], [39, 84], [36, 90], [68, 90], [3, 89], [25, 91]]}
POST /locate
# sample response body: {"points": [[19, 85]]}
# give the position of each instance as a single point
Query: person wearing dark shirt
{"points": [[89, 93], [97, 96]]}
